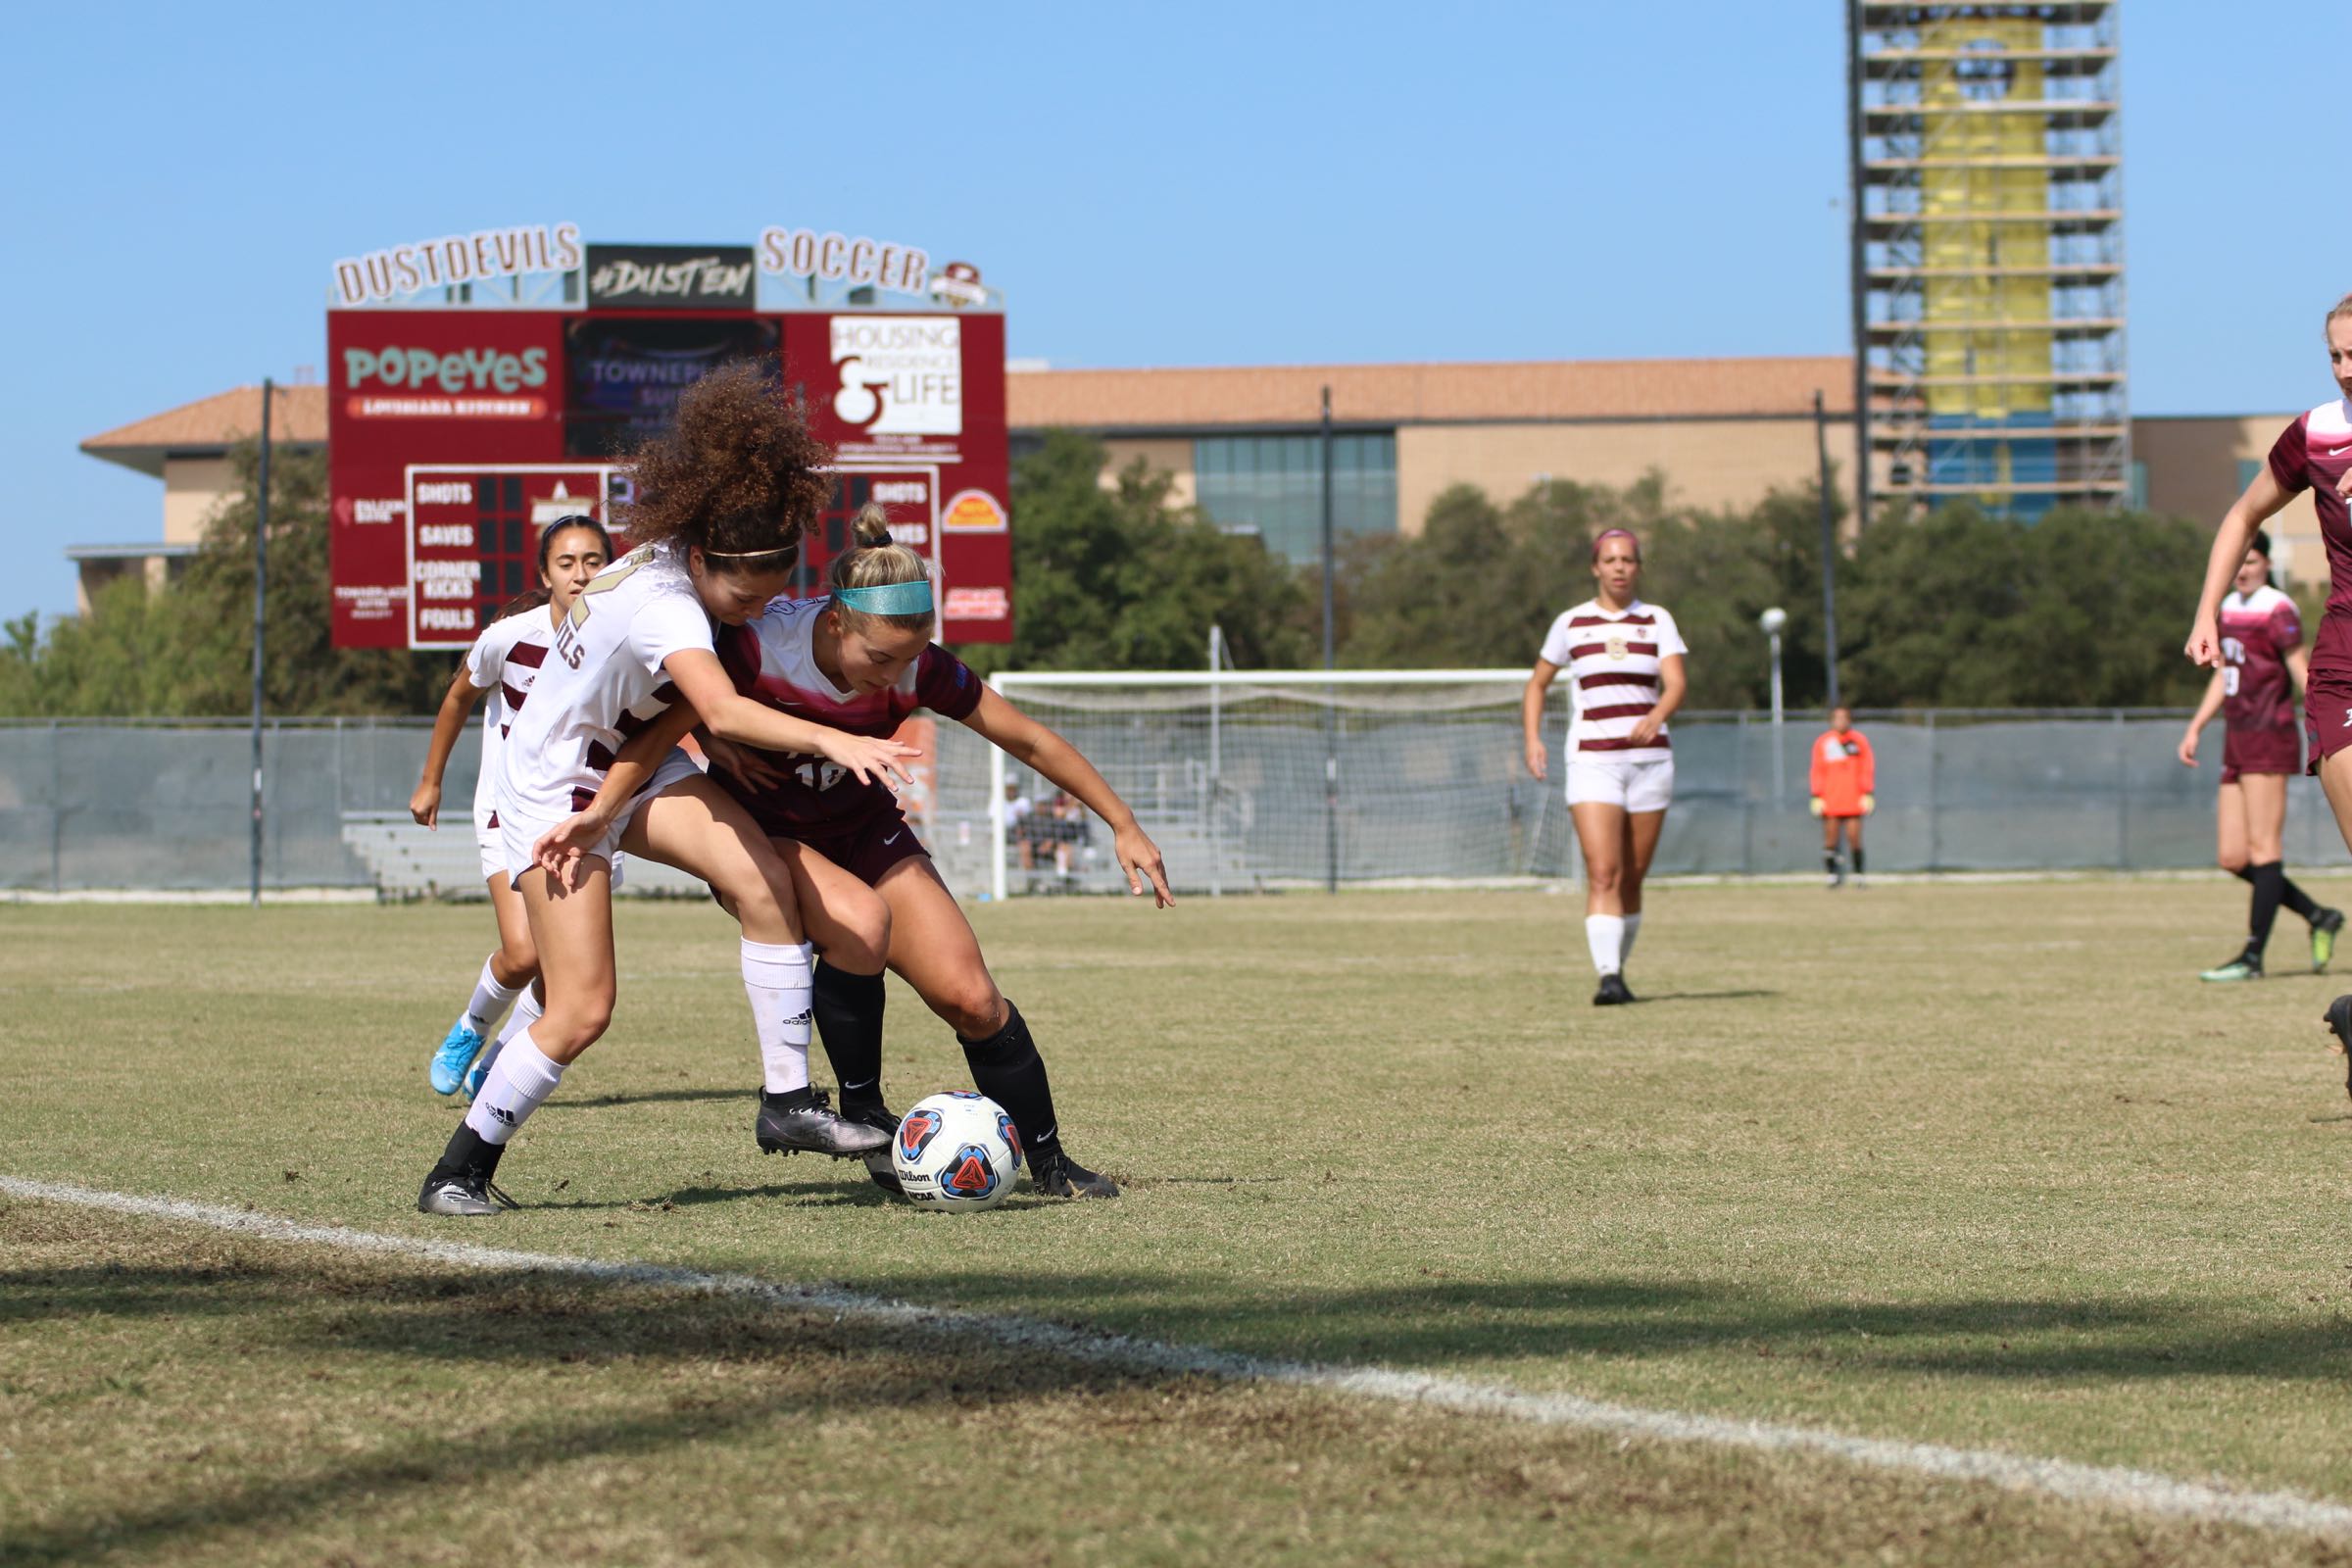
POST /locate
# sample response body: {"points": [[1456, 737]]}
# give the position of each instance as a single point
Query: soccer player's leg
{"points": [[849, 924], [698, 828], [1853, 844], [934, 950], [1833, 870], [2334, 769], [1601, 834], [1641, 830], [507, 971], [2230, 853], [573, 929]]}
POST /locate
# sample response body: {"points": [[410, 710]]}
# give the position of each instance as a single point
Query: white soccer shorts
{"points": [[1606, 780], [517, 835]]}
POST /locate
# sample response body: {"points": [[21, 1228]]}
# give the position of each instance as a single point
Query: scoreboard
{"points": [[455, 436]]}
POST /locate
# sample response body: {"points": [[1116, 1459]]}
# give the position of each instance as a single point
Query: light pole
{"points": [[1772, 620]]}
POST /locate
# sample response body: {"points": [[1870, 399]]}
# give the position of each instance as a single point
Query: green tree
{"points": [[187, 650], [1118, 576]]}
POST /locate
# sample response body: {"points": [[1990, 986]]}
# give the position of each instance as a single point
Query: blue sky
{"points": [[1208, 184]]}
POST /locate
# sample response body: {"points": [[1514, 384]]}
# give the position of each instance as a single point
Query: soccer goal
{"points": [[1251, 780]]}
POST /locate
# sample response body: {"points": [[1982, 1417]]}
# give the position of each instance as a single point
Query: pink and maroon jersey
{"points": [[2258, 631], [2313, 454], [771, 659]]}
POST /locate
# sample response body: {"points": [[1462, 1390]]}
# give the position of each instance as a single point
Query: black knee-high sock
{"points": [[1858, 860], [1006, 1068], [849, 1021], [468, 1151], [2294, 898], [2269, 879], [1828, 861]]}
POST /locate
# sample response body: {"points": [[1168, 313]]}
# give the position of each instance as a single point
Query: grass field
{"points": [[1974, 1165]]}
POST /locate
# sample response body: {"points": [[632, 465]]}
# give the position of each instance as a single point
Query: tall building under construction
{"points": [[1988, 254]]}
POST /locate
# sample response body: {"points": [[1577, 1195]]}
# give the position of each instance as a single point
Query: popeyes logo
{"points": [[972, 512]]}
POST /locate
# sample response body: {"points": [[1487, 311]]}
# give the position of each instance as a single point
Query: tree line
{"points": [[1953, 609]]}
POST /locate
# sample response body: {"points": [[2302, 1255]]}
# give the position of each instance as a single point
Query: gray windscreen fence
{"points": [[1264, 788]]}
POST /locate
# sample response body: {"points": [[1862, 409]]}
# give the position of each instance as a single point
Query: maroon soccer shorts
{"points": [[2270, 749], [2327, 713]]}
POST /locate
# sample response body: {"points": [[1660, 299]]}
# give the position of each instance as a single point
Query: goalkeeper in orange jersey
{"points": [[1844, 776]]}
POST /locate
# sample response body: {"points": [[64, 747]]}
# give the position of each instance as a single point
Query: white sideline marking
{"points": [[2135, 1491]]}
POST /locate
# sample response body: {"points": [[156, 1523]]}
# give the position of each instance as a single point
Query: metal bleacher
{"points": [[408, 862]]}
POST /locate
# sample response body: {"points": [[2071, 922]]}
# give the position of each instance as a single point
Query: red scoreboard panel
{"points": [[455, 436]]}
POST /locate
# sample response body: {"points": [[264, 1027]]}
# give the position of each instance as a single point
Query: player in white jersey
{"points": [[502, 664], [1624, 659], [723, 498]]}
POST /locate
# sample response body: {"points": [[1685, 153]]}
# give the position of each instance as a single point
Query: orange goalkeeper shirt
{"points": [[1843, 771]]}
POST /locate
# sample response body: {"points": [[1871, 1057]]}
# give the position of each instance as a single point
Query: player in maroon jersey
{"points": [[2261, 648], [863, 660], [2313, 453]]}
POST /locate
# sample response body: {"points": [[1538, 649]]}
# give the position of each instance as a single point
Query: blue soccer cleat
{"points": [[481, 1070], [455, 1055]]}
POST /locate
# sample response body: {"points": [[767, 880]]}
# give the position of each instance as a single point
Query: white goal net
{"points": [[1257, 779]]}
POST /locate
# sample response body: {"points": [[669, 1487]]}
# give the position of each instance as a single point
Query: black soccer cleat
{"points": [[814, 1128], [464, 1193], [1055, 1174], [884, 1120], [2340, 1024], [1612, 992]]}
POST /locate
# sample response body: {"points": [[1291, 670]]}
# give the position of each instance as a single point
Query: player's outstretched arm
{"points": [[1673, 682], [2263, 497], [457, 705], [703, 682], [1031, 743], [1530, 718]]}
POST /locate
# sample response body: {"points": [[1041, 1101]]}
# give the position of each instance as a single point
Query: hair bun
{"points": [[871, 525]]}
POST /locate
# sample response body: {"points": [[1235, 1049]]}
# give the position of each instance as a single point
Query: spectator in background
{"points": [[1018, 810], [1844, 773]]}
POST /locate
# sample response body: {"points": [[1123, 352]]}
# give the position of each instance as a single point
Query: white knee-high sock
{"points": [[1632, 929], [528, 1009], [776, 977], [488, 1003], [520, 1078], [1604, 935]]}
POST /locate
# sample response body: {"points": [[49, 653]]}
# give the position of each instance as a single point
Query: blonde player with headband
{"points": [[723, 498], [2313, 453], [861, 659], [1625, 657]]}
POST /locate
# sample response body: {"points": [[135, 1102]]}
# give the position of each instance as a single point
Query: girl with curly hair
{"points": [[724, 499]]}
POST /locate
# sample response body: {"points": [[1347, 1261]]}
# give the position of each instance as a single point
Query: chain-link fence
{"points": [[121, 804]]}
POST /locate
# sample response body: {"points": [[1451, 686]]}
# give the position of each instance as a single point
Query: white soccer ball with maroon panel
{"points": [[956, 1152]]}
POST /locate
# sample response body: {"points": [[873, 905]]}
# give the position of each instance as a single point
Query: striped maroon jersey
{"points": [[772, 658], [504, 662], [1612, 659]]}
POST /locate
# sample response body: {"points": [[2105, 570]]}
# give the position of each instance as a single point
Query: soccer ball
{"points": [[956, 1152]]}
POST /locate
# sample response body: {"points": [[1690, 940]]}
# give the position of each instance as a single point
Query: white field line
{"points": [[2138, 1492]]}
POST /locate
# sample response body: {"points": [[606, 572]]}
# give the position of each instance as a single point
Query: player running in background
{"points": [[2313, 453], [1625, 660], [723, 498], [502, 664], [861, 659], [2262, 645], [1845, 774]]}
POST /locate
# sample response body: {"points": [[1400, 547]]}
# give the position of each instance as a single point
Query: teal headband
{"points": [[888, 599]]}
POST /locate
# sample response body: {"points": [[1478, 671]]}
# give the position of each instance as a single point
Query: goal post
{"points": [[1256, 779]]}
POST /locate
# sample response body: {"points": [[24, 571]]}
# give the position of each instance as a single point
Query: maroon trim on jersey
{"points": [[1606, 620], [530, 656], [514, 698], [493, 822], [665, 694], [1588, 682], [502, 730], [598, 758], [629, 724], [1583, 650], [1626, 743], [1616, 711], [582, 798]]}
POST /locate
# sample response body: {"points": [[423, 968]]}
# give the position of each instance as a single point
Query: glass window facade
{"points": [[1273, 486]]}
